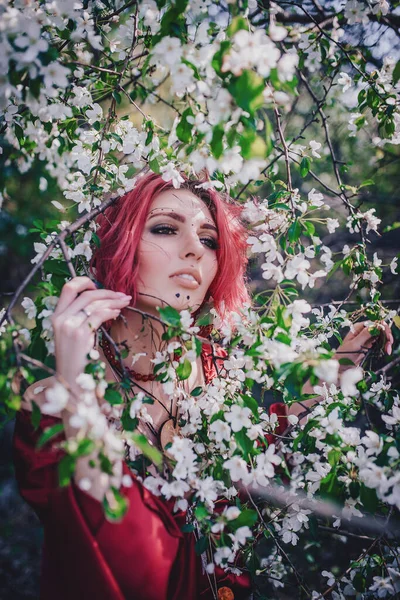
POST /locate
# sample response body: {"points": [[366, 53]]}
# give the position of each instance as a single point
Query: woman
{"points": [[159, 246]]}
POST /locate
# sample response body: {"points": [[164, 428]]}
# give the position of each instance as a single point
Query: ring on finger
{"points": [[86, 312]]}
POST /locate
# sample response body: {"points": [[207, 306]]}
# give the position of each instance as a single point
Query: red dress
{"points": [[85, 557]]}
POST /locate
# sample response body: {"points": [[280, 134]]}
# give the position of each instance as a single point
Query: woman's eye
{"points": [[164, 230], [210, 242]]}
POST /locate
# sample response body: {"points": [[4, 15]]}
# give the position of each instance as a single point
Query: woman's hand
{"points": [[357, 343], [81, 309]]}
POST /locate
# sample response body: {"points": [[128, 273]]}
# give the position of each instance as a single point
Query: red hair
{"points": [[122, 224]]}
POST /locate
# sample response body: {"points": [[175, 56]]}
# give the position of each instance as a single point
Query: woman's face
{"points": [[177, 252]]}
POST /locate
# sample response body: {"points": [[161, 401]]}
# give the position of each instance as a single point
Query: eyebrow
{"points": [[181, 219]]}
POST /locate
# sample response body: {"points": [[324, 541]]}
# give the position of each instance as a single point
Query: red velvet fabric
{"points": [[145, 557]]}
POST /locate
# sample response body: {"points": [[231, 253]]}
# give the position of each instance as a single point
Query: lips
{"points": [[188, 278]]}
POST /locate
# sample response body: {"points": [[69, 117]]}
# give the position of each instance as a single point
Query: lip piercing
{"points": [[187, 297], [178, 295]]}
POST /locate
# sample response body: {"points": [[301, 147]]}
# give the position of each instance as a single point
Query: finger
{"points": [[117, 303], [87, 298], [95, 320], [357, 328], [73, 322], [389, 339], [71, 290], [364, 335]]}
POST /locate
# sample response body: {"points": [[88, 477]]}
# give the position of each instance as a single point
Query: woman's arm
{"points": [[80, 311], [354, 347]]}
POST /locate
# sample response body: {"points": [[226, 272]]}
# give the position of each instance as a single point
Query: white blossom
{"points": [[220, 431], [56, 399], [315, 146], [348, 380], [30, 308], [241, 534], [237, 468], [265, 465], [345, 80], [238, 417], [393, 266], [332, 225], [94, 114], [170, 173]]}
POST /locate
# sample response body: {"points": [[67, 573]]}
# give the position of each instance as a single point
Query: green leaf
{"points": [[368, 498], [280, 206], [245, 444], [359, 582], [183, 370], [14, 401], [113, 397], [49, 433], [66, 468], [218, 58], [216, 145], [148, 450], [193, 67], [334, 457], [390, 127], [127, 422], [334, 268], [396, 73], [172, 22], [196, 392], [85, 447], [354, 489], [201, 545], [248, 91], [201, 512], [96, 240], [198, 346], [247, 517], [345, 361], [36, 415], [269, 136], [117, 507], [236, 25], [170, 316], [278, 195], [218, 415], [117, 97], [366, 183], [252, 145], [251, 403], [305, 166], [184, 128], [154, 166], [56, 267], [187, 528], [294, 231], [308, 228], [19, 132]]}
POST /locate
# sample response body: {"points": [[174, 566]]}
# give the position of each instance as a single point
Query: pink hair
{"points": [[121, 227]]}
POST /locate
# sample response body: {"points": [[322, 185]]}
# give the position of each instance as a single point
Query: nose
{"points": [[192, 247]]}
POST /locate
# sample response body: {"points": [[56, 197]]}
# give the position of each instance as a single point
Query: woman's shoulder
{"points": [[36, 393]]}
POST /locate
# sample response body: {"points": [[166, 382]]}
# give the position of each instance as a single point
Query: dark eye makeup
{"points": [[208, 241]]}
